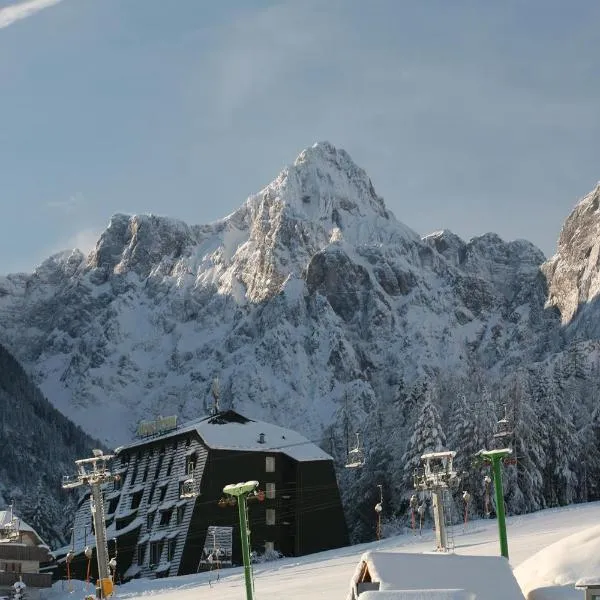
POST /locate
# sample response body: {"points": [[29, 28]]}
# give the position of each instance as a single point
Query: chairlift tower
{"points": [[94, 472], [437, 476]]}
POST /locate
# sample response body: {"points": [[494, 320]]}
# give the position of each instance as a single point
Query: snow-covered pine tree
{"points": [[428, 436], [469, 430], [525, 484], [588, 439], [561, 444]]}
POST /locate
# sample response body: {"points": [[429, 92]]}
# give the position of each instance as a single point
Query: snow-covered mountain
{"points": [[312, 303]]}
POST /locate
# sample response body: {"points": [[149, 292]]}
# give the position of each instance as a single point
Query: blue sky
{"points": [[474, 116]]}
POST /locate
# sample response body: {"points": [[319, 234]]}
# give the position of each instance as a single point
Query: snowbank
{"points": [[419, 595], [561, 564]]}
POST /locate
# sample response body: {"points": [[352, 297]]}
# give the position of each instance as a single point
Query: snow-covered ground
{"points": [[327, 574]]}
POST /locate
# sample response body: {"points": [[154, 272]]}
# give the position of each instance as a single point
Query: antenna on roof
{"points": [[214, 390]]}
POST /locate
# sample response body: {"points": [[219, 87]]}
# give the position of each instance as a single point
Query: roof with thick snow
{"points": [[5, 519], [418, 595], [488, 577], [228, 430]]}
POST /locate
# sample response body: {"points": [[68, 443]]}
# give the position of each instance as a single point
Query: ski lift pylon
{"points": [[356, 456]]}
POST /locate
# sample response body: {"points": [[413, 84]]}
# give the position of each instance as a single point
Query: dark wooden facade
{"points": [[160, 534]]}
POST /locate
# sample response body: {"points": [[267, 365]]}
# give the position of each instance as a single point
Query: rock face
{"points": [[573, 272], [310, 302]]}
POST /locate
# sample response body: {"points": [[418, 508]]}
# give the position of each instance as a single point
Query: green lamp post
{"points": [[495, 457], [241, 491]]}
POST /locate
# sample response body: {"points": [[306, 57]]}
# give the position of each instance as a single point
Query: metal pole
{"points": [[245, 545], [500, 505], [241, 491], [104, 579], [438, 516]]}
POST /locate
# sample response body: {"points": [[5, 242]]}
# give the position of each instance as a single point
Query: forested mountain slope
{"points": [[37, 447]]}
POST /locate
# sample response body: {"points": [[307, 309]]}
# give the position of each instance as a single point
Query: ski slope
{"points": [[327, 575]]}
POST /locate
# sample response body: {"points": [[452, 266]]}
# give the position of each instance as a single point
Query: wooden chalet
{"points": [[168, 515], [21, 552]]}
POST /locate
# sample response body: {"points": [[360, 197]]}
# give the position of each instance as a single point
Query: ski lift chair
{"points": [[356, 456]]}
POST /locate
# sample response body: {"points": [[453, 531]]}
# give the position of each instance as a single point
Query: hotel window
{"points": [[180, 514], [151, 493], [191, 463], [170, 467], [270, 516], [270, 491], [159, 466], [141, 553], [156, 549], [112, 505], [163, 492], [136, 499], [165, 517], [149, 520], [133, 475], [172, 544], [270, 464]]}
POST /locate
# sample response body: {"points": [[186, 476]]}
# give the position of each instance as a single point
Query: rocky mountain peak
{"points": [[448, 244], [322, 198], [573, 273], [138, 243]]}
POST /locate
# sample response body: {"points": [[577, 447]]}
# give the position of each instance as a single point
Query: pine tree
{"points": [[428, 436]]}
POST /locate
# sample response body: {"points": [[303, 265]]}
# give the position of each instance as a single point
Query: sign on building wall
{"points": [[156, 427]]}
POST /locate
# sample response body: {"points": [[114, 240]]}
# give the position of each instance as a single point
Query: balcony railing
{"points": [[20, 552], [36, 580]]}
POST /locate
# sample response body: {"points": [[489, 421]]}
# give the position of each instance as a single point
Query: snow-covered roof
{"points": [[5, 521], [571, 561], [229, 430], [418, 595], [132, 571], [442, 454], [487, 577]]}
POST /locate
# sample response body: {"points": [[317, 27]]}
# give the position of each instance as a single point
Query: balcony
{"points": [[34, 580], [21, 552]]}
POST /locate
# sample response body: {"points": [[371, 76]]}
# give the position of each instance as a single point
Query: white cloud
{"points": [[68, 206], [84, 240], [16, 12]]}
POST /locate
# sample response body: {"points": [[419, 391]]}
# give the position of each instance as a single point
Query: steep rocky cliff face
{"points": [[573, 273], [311, 302]]}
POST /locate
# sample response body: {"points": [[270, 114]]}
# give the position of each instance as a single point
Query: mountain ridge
{"points": [[318, 310], [317, 250]]}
